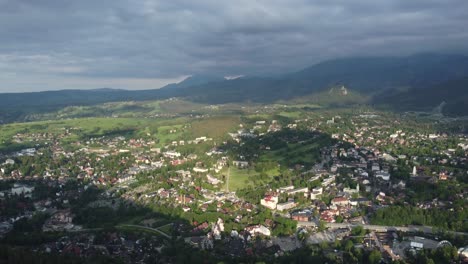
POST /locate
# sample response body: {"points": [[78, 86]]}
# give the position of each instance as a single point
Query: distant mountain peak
{"points": [[338, 90]]}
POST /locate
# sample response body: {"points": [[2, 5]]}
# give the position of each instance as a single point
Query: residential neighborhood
{"points": [[224, 190]]}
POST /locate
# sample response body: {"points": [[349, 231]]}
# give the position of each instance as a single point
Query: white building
{"points": [[269, 201], [202, 170], [126, 178], [171, 154], [383, 175], [218, 228], [258, 229], [285, 189], [285, 206], [9, 162], [298, 190], [375, 167], [19, 189], [212, 179], [316, 193]]}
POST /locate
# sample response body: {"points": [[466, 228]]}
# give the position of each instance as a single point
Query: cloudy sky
{"points": [[81, 44]]}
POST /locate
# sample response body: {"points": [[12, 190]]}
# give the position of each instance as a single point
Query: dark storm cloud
{"points": [[61, 43]]}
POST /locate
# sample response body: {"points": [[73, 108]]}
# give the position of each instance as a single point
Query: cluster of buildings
{"points": [[334, 191]]}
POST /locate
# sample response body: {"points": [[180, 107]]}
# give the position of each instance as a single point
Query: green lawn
{"points": [[215, 127], [243, 178], [292, 114], [294, 154]]}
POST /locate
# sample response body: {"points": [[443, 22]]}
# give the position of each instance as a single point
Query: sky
{"points": [[145, 44]]}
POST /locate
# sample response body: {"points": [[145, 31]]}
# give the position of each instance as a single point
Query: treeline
{"points": [[408, 215]]}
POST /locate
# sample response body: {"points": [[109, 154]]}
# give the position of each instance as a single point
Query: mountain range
{"points": [[417, 82]]}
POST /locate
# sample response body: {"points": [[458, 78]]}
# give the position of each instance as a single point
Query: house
{"points": [[157, 164], [201, 227], [183, 173], [443, 176], [340, 201], [177, 162], [60, 221], [269, 201], [388, 157], [200, 170], [241, 164], [416, 245], [300, 217], [383, 175], [329, 215], [171, 154]]}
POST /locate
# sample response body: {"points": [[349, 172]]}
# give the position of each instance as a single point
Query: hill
{"points": [[363, 76], [451, 97]]}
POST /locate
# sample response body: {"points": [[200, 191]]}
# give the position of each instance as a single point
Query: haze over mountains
{"points": [[418, 82]]}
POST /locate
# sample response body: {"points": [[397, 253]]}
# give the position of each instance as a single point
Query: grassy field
{"points": [[216, 127], [165, 136], [292, 114], [306, 153], [243, 178], [93, 127], [120, 109]]}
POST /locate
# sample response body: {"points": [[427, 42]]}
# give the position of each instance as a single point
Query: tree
{"points": [[349, 245], [374, 257], [321, 226]]}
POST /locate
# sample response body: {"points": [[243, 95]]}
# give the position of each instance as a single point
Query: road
{"points": [[148, 228], [134, 226], [378, 228]]}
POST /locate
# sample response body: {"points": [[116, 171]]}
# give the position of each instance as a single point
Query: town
{"points": [[362, 185]]}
